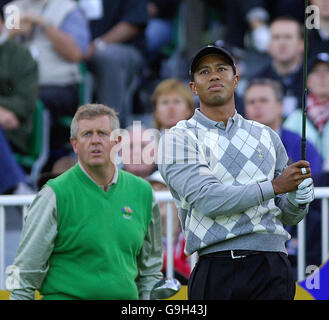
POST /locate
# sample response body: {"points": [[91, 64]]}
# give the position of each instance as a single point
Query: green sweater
{"points": [[18, 89], [100, 235]]}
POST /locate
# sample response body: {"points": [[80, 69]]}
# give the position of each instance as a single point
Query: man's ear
{"points": [[236, 80], [74, 145], [117, 146], [193, 88], [118, 140]]}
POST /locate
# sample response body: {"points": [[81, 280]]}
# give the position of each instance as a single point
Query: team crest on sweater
{"points": [[127, 212]]}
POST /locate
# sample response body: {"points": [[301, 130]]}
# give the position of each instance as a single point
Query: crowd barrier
{"points": [[320, 193]]}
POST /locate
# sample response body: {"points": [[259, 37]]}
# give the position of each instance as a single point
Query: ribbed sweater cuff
{"points": [[267, 190]]}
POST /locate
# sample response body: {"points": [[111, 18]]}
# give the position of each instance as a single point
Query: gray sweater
{"points": [[220, 177]]}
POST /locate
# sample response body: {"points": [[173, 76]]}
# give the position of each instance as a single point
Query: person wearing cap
{"points": [[230, 179], [317, 107]]}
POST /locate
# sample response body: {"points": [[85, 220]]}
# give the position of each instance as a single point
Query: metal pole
{"points": [[324, 228], [2, 247], [301, 250], [170, 247], [303, 144]]}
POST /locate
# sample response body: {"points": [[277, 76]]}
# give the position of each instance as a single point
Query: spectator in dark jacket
{"points": [[263, 103], [18, 91], [286, 50], [160, 28], [18, 94], [117, 52]]}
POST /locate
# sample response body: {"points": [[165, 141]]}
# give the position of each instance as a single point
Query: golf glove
{"points": [[304, 194]]}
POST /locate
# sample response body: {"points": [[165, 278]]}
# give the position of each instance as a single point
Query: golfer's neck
{"points": [[220, 113], [102, 176]]}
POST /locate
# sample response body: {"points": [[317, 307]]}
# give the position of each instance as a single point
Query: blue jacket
{"points": [[292, 143], [319, 140]]}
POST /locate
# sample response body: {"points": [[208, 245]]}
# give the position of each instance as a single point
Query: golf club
{"points": [[303, 145], [165, 289]]}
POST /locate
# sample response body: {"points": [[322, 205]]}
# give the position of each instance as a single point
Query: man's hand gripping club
{"points": [[296, 180]]}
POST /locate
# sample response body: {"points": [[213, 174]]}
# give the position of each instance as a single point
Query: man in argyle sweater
{"points": [[230, 180]]}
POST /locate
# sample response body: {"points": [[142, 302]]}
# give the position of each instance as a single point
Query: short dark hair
{"points": [[275, 85], [91, 111]]}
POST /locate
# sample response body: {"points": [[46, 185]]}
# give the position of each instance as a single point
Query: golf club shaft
{"points": [[304, 98]]}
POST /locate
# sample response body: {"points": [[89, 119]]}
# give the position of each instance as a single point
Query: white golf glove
{"points": [[304, 194]]}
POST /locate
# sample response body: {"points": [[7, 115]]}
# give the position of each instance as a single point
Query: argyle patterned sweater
{"points": [[220, 177]]}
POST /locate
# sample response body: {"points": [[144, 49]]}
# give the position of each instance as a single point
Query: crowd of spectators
{"points": [[113, 47]]}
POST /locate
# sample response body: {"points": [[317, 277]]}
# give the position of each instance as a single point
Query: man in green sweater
{"points": [[18, 90], [94, 232]]}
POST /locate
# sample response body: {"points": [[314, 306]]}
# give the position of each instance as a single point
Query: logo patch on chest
{"points": [[127, 212], [260, 152]]}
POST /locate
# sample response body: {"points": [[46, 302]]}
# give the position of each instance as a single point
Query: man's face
{"points": [[318, 81], [214, 81], [139, 152], [171, 108], [286, 43], [262, 106], [94, 144]]}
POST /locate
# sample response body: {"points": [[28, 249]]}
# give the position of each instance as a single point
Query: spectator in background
{"points": [[139, 159], [286, 50], [12, 176], [57, 34], [172, 102], [117, 52], [160, 28], [242, 17], [263, 103], [18, 91], [319, 38], [59, 167], [139, 147], [317, 121]]}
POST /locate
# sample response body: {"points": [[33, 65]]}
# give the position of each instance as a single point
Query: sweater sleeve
{"points": [[150, 259], [31, 265], [191, 181], [291, 214]]}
